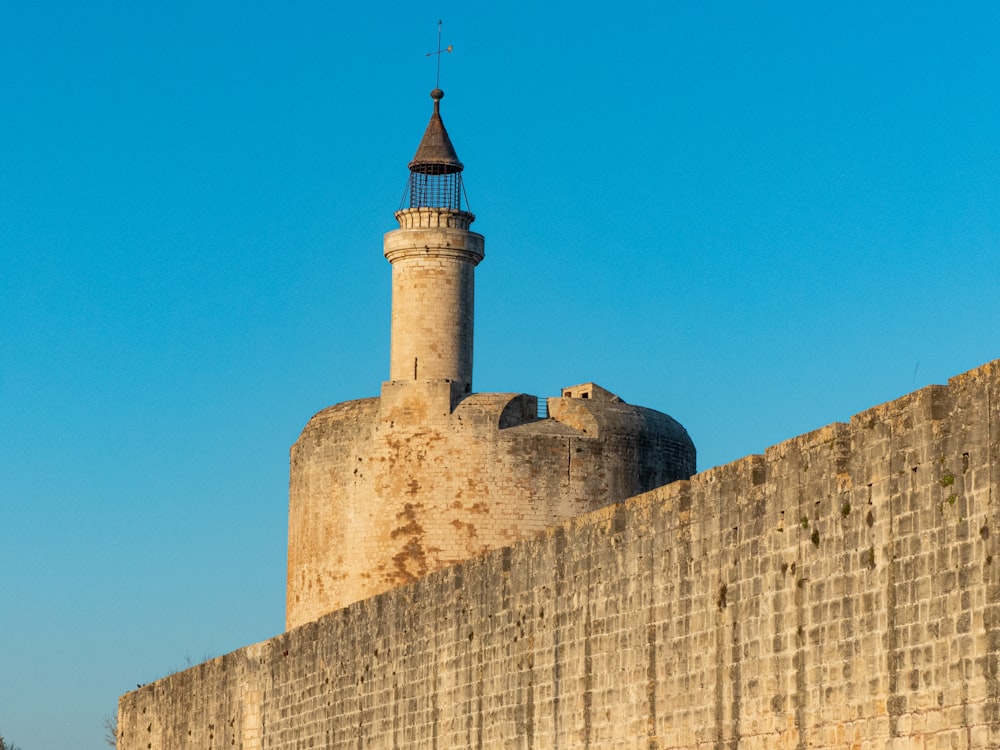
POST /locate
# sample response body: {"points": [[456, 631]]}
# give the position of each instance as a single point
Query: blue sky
{"points": [[757, 217]]}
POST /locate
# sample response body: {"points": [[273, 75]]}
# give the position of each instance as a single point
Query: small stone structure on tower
{"points": [[385, 490]]}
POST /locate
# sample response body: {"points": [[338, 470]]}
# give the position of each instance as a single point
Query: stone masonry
{"points": [[433, 257], [840, 590], [386, 490]]}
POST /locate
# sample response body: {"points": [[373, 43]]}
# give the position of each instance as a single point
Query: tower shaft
{"points": [[433, 256]]}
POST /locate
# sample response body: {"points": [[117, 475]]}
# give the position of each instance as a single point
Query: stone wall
{"points": [[839, 591], [384, 491]]}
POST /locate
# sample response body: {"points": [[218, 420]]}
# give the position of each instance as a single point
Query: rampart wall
{"points": [[841, 590]]}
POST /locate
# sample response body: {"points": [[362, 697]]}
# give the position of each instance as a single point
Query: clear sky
{"points": [[758, 217]]}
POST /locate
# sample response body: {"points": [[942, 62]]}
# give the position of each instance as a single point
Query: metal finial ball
{"points": [[437, 95]]}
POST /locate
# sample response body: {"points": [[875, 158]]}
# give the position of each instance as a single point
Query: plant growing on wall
{"points": [[111, 730]]}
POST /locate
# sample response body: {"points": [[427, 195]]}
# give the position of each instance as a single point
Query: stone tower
{"points": [[433, 256], [385, 490]]}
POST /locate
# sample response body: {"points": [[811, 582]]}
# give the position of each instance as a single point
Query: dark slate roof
{"points": [[436, 155]]}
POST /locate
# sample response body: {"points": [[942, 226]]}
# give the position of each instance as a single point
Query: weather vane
{"points": [[437, 80]]}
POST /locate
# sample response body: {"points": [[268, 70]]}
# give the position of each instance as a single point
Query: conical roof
{"points": [[436, 155]]}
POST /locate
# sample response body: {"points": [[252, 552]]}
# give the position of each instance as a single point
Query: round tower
{"points": [[386, 490], [433, 256]]}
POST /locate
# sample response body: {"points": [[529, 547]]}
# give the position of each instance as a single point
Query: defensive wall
{"points": [[840, 590]]}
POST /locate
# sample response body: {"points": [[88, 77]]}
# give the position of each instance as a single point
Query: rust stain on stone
{"points": [[410, 526], [411, 562], [470, 529]]}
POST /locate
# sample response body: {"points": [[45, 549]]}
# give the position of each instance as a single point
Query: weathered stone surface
{"points": [[841, 590], [434, 257], [384, 491]]}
